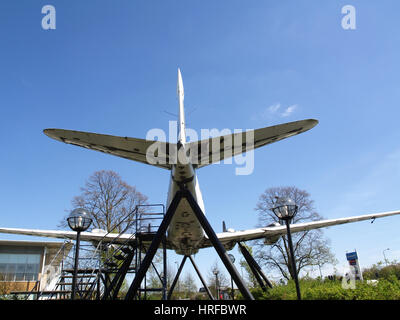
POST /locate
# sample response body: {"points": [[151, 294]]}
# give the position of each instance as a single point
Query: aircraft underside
{"points": [[185, 232]]}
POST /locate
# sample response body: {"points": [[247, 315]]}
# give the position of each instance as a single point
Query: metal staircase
{"points": [[103, 267]]}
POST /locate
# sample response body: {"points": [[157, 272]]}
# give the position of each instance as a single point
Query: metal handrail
{"points": [[100, 243]]}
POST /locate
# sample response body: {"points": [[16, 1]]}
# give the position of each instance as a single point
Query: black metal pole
{"points": [[232, 291], [216, 286], [176, 277], [78, 236], [140, 263], [218, 246], [164, 294], [296, 280], [201, 279]]}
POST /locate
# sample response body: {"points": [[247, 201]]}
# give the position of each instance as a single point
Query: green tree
{"points": [[379, 271]]}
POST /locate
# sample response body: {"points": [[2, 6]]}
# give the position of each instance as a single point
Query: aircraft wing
{"points": [[216, 149], [94, 236], [59, 234], [124, 147], [272, 232], [226, 238]]}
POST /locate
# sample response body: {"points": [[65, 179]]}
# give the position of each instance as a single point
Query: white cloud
{"points": [[275, 111], [289, 110], [274, 108]]}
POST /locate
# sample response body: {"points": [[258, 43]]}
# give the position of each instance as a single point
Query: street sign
{"points": [[351, 256], [353, 262]]}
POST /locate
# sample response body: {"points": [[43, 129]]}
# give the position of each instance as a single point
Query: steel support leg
{"points": [[176, 278], [218, 246], [210, 233], [255, 268], [201, 279]]}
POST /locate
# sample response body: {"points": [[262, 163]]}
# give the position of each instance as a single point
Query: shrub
{"points": [[385, 289]]}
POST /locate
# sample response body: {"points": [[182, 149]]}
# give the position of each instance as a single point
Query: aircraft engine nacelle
{"points": [[272, 239], [229, 245]]}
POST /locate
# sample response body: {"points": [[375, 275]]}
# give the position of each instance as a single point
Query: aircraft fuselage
{"points": [[185, 231]]}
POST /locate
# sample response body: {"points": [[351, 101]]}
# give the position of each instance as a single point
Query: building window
{"points": [[19, 267]]}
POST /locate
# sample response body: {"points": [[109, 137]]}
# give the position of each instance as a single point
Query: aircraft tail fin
{"points": [[213, 150], [181, 95]]}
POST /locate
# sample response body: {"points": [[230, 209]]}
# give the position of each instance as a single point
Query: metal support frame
{"points": [[164, 288], [146, 232], [176, 277], [133, 289], [255, 268], [112, 290], [219, 247], [144, 266], [201, 279], [198, 273]]}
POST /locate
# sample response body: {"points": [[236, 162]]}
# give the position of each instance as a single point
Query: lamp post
{"points": [[232, 257], [216, 283], [78, 221], [285, 210], [386, 261]]}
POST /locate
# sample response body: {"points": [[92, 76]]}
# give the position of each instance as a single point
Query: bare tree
{"points": [[310, 247], [110, 201]]}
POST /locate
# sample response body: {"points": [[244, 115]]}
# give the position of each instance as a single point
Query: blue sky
{"points": [[111, 67]]}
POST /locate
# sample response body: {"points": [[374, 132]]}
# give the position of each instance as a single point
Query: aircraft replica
{"points": [[185, 234]]}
